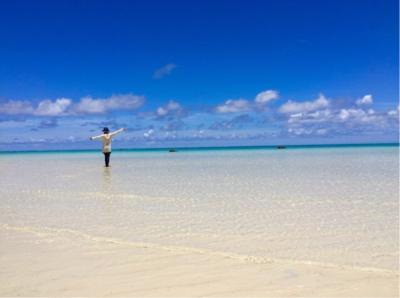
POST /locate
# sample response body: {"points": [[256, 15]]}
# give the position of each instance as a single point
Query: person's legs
{"points": [[107, 158]]}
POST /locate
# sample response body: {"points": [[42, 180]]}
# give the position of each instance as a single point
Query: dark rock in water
{"points": [[172, 150], [280, 147]]}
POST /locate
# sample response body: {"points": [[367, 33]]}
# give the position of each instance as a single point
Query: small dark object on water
{"points": [[172, 150], [280, 147]]}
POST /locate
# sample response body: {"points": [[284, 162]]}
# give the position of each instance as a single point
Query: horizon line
{"points": [[184, 148]]}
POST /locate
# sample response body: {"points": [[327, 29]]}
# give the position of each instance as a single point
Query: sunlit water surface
{"points": [[324, 206]]}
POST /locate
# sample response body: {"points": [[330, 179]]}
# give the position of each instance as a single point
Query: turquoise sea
{"points": [[189, 149]]}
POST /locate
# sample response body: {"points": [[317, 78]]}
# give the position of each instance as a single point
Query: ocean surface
{"points": [[324, 206]]}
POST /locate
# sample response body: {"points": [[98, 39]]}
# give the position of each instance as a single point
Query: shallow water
{"points": [[334, 207]]}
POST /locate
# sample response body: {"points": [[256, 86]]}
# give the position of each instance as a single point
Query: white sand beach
{"points": [[228, 224], [63, 264]]}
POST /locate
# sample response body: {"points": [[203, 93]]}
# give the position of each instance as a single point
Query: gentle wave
{"points": [[46, 231]]}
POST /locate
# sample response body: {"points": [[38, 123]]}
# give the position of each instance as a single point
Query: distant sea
{"points": [[211, 148]]}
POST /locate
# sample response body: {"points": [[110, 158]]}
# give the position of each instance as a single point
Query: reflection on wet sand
{"points": [[107, 179]]}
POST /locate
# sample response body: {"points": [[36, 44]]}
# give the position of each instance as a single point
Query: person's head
{"points": [[106, 130]]}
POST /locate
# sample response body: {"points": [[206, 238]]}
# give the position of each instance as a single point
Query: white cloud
{"points": [[366, 100], [53, 108], [336, 116], [66, 107], [16, 107], [172, 107], [306, 106], [266, 96], [394, 113], [311, 117], [233, 106], [164, 71], [344, 114], [124, 101], [300, 131], [149, 133], [89, 105], [355, 114], [162, 111], [344, 120], [307, 130], [44, 108], [362, 117]]}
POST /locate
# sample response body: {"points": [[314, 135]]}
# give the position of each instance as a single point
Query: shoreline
{"points": [[51, 232]]}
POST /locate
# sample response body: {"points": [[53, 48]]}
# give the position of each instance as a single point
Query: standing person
{"points": [[106, 137]]}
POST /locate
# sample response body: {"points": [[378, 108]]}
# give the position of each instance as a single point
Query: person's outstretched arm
{"points": [[116, 132], [96, 137]]}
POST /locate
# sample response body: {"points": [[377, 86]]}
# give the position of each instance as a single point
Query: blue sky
{"points": [[194, 73]]}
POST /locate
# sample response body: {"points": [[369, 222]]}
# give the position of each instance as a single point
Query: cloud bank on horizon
{"points": [[267, 118]]}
